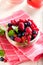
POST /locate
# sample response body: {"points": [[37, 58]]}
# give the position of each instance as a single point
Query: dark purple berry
{"points": [[35, 32], [25, 24], [12, 37], [22, 33], [19, 34], [9, 24], [29, 23], [1, 59], [32, 38]]}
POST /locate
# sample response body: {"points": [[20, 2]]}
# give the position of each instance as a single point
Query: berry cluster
{"points": [[22, 31]]}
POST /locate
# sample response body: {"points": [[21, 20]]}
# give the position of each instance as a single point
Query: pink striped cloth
{"points": [[34, 50], [17, 55], [12, 53]]}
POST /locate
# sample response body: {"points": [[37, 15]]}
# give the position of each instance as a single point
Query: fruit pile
{"points": [[22, 31]]}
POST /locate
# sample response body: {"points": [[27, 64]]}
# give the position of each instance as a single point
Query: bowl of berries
{"points": [[22, 32]]}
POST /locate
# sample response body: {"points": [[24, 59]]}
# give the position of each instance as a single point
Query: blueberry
{"points": [[12, 37], [25, 24], [9, 24], [32, 38], [34, 32], [1, 59], [29, 24], [19, 35], [22, 33]]}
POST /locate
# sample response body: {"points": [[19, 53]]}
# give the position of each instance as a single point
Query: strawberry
{"points": [[17, 39], [29, 30], [21, 26]]}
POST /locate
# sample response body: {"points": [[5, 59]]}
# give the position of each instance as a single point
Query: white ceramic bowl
{"points": [[16, 44]]}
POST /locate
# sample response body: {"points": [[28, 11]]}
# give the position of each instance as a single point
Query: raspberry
{"points": [[21, 20], [32, 27], [26, 33], [21, 26], [13, 22], [29, 30], [10, 28], [29, 37], [33, 23], [34, 35], [17, 39]]}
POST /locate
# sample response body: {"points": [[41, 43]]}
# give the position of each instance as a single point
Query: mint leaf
{"points": [[2, 53], [11, 33], [15, 28], [2, 32]]}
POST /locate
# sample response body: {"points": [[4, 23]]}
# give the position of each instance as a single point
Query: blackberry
{"points": [[29, 23], [25, 24], [9, 24]]}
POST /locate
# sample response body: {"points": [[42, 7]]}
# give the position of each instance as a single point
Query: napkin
{"points": [[34, 50], [17, 55], [12, 53]]}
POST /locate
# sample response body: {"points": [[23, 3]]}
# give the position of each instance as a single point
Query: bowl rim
{"points": [[36, 38]]}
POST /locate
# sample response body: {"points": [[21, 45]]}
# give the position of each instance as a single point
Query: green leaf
{"points": [[11, 33], [15, 28], [2, 53], [2, 32]]}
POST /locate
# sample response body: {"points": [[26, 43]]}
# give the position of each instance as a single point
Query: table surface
{"points": [[36, 15]]}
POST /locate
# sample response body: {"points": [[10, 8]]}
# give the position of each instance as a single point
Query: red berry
{"points": [[17, 39], [26, 33], [13, 22], [33, 23], [5, 60], [23, 39], [29, 30], [21, 26], [29, 37], [21, 20], [34, 28], [34, 35], [10, 28]]}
